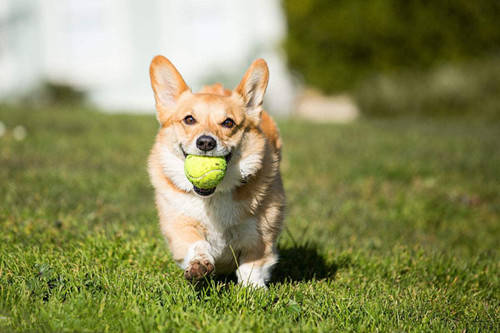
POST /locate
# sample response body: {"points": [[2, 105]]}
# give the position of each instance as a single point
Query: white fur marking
{"points": [[250, 274], [199, 250]]}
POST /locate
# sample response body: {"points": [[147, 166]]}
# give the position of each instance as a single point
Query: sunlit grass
{"points": [[391, 225]]}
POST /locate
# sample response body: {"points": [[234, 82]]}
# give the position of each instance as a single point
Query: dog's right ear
{"points": [[167, 85]]}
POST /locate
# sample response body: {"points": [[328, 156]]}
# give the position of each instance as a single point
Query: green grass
{"points": [[391, 225]]}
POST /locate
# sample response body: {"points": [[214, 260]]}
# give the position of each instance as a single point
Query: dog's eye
{"points": [[189, 120], [229, 123]]}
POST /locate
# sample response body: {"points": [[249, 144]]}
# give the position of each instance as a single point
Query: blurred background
{"points": [[329, 60], [389, 111]]}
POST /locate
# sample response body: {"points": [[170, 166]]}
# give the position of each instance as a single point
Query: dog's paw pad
{"points": [[198, 269]]}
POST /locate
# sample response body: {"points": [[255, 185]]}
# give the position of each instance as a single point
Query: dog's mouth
{"points": [[204, 192], [226, 157]]}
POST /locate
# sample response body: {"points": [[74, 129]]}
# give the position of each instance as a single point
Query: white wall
{"points": [[19, 47], [105, 46]]}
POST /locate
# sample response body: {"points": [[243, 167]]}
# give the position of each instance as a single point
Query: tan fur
{"points": [[181, 232], [216, 89], [257, 199]]}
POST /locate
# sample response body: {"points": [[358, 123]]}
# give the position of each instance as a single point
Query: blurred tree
{"points": [[333, 44]]}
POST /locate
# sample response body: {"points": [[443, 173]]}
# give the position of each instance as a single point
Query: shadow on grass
{"points": [[302, 263], [299, 263]]}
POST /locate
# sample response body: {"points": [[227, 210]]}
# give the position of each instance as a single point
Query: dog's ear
{"points": [[253, 86], [167, 85]]}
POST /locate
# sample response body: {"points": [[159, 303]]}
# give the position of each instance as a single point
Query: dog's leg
{"points": [[189, 248], [198, 261], [255, 270]]}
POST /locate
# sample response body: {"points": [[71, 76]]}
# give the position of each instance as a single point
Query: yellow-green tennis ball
{"points": [[205, 172]]}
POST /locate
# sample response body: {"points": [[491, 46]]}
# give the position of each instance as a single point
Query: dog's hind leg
{"points": [[255, 267]]}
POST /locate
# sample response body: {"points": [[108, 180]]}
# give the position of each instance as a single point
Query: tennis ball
{"points": [[205, 172]]}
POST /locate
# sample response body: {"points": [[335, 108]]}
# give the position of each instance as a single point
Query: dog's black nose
{"points": [[205, 143]]}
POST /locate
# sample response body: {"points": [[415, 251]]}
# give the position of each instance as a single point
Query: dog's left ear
{"points": [[253, 87]]}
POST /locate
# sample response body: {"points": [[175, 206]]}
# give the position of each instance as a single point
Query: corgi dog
{"points": [[234, 226]]}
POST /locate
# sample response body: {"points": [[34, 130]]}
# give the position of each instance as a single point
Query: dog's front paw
{"points": [[198, 269]]}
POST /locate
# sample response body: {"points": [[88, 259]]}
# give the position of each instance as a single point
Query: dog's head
{"points": [[213, 122]]}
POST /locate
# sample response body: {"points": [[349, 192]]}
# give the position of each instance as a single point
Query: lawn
{"points": [[392, 225]]}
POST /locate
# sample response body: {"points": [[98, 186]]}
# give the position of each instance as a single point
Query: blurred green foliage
{"points": [[333, 44], [447, 90], [58, 93], [49, 93]]}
